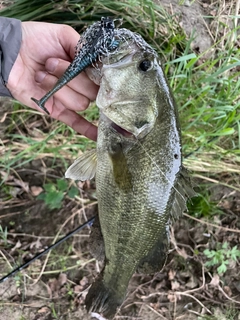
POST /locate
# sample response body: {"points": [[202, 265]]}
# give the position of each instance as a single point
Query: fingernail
{"points": [[51, 64], [39, 76]]}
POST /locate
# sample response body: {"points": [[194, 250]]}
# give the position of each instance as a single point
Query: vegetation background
{"points": [[198, 42]]}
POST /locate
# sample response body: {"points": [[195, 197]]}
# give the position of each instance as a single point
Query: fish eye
{"points": [[145, 65]]}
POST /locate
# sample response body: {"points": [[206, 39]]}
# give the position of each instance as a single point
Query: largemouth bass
{"points": [[141, 183]]}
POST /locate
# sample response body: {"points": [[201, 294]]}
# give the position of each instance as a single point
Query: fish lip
{"points": [[133, 132], [136, 134], [121, 130], [117, 129]]}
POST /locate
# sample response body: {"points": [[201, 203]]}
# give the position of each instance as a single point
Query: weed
{"points": [[221, 257], [229, 314], [92, 113], [3, 235], [201, 205], [18, 280], [207, 318], [54, 194], [70, 291], [53, 311]]}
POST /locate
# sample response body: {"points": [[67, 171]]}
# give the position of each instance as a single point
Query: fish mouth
{"points": [[121, 123], [116, 127], [121, 130]]}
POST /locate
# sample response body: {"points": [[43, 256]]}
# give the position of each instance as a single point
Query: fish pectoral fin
{"points": [[183, 192], [83, 168]]}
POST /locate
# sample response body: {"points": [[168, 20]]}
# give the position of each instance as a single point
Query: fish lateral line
{"points": [[161, 172]]}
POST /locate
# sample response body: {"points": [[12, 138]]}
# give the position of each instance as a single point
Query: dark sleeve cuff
{"points": [[10, 42]]}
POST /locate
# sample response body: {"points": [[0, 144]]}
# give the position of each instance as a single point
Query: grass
{"points": [[206, 87], [22, 144], [222, 256], [206, 91], [143, 16]]}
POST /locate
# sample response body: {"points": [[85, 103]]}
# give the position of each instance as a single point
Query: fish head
{"points": [[129, 86]]}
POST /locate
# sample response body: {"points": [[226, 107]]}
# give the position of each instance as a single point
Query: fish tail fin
{"points": [[102, 299]]}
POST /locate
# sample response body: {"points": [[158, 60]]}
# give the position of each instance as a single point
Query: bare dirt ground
{"points": [[54, 287]]}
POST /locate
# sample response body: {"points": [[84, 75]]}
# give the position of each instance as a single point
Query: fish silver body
{"points": [[140, 181]]}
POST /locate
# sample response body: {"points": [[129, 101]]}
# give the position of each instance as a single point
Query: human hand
{"points": [[45, 53]]}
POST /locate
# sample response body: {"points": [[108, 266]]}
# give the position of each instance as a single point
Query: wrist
{"points": [[10, 42]]}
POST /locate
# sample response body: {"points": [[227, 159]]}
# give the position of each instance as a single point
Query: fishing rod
{"points": [[54, 245]]}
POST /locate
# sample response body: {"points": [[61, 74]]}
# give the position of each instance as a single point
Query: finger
{"points": [[68, 38], [66, 95], [74, 120], [81, 83]]}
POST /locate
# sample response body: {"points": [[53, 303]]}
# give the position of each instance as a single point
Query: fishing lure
{"points": [[95, 42]]}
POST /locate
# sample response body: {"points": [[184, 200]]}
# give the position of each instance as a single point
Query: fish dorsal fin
{"points": [[83, 168], [183, 192]]}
